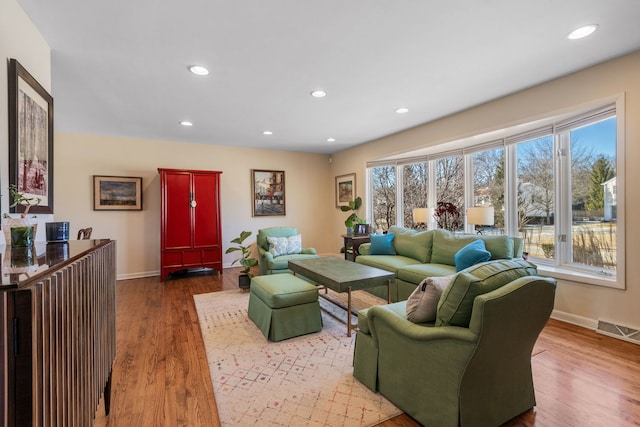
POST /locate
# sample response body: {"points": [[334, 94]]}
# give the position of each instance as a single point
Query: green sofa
{"points": [[421, 254], [472, 366]]}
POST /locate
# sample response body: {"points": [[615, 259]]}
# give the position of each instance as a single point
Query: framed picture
{"points": [[30, 139], [117, 193], [345, 189], [267, 193]]}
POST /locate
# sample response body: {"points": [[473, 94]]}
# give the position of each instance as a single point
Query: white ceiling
{"points": [[119, 67]]}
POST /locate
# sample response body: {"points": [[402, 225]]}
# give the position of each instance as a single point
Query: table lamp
{"points": [[422, 217], [481, 216]]}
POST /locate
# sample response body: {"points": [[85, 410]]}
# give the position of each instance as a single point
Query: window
{"points": [[488, 187], [383, 196], [555, 184], [535, 196], [415, 190], [593, 194]]}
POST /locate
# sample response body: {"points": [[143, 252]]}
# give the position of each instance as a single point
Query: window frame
{"points": [[559, 125]]}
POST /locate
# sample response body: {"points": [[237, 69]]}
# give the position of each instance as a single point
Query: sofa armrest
{"points": [[266, 255], [311, 251], [417, 333], [364, 249]]}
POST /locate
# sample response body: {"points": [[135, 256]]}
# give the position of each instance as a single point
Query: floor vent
{"points": [[618, 331]]}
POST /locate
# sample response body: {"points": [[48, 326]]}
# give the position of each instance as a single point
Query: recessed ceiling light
{"points": [[186, 123], [199, 70], [267, 132], [402, 110], [331, 140], [318, 94], [582, 32]]}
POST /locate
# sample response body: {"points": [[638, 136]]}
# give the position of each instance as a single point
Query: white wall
{"points": [[576, 302], [79, 157], [21, 40]]}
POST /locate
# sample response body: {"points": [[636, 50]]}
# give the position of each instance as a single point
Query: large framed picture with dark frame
{"points": [[30, 139]]}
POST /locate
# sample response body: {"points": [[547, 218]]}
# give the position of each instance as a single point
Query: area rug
{"points": [[302, 381]]}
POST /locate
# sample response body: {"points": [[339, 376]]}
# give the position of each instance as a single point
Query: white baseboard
{"points": [[584, 322], [138, 275]]}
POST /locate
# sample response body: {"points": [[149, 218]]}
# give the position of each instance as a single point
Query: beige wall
{"points": [[21, 40], [310, 178], [575, 302], [79, 157]]}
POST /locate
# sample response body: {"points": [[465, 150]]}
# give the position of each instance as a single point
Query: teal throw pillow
{"points": [[471, 254], [382, 244]]}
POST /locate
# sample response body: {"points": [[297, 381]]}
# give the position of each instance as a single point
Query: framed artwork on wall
{"points": [[30, 139], [345, 189], [267, 193], [117, 193]]}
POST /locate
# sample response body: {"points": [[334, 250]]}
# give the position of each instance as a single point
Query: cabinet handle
{"points": [[192, 201]]}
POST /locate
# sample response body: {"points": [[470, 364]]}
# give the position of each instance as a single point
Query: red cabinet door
{"points": [[205, 214], [177, 210]]}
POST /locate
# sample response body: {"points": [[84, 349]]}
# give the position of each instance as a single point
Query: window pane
{"points": [[488, 186], [535, 195], [450, 192], [593, 188], [384, 196], [415, 190]]}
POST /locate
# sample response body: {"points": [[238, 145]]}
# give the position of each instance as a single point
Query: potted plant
{"points": [[448, 216], [18, 198], [244, 280], [352, 219]]}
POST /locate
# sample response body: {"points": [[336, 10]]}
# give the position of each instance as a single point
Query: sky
{"points": [[600, 136]]}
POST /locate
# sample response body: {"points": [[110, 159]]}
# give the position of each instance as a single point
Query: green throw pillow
{"points": [[382, 244], [456, 303]]}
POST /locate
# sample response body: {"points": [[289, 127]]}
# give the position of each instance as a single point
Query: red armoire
{"points": [[190, 220]]}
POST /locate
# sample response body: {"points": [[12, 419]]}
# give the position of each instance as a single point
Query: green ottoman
{"points": [[284, 306]]}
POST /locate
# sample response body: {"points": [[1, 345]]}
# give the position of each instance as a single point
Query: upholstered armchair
{"points": [[478, 375], [277, 246]]}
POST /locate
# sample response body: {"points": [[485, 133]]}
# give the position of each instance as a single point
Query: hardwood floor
{"points": [[161, 378]]}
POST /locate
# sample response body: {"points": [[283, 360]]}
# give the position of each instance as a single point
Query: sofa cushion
{"points": [[456, 303], [416, 273], [446, 244], [422, 304], [386, 262], [412, 243], [285, 245], [501, 247], [382, 244], [473, 253]]}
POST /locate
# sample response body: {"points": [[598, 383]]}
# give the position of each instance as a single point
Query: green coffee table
{"points": [[342, 276]]}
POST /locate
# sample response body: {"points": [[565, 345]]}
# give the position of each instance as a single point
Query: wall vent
{"points": [[618, 331]]}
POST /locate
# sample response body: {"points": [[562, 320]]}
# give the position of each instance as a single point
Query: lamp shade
{"points": [[480, 215], [422, 215]]}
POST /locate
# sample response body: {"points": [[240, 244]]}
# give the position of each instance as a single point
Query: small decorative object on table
{"points": [[20, 199]]}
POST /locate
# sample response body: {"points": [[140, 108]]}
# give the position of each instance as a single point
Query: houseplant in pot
{"points": [[18, 198], [352, 219], [244, 279]]}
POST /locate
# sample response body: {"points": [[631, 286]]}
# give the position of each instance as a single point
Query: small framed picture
{"points": [[117, 193], [345, 189]]}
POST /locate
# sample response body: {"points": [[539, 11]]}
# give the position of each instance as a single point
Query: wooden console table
{"points": [[352, 242], [58, 332]]}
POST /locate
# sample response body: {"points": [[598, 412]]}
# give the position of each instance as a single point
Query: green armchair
{"points": [[454, 375], [278, 263]]}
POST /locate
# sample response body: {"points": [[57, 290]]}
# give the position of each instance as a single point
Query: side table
{"points": [[352, 242]]}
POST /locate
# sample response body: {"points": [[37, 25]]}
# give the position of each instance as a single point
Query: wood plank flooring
{"points": [[161, 378]]}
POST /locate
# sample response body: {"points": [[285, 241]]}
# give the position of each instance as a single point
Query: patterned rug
{"points": [[302, 381]]}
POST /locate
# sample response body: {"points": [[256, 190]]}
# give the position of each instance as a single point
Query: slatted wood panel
{"points": [[66, 341]]}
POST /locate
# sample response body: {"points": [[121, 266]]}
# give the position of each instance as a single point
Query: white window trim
{"points": [[568, 118]]}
